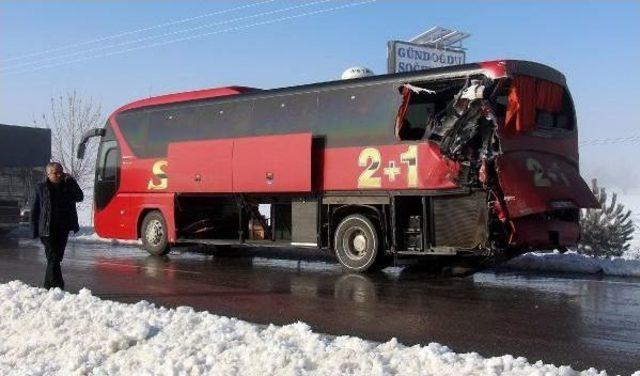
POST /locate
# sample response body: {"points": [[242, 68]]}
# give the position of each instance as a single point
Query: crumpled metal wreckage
{"points": [[465, 130]]}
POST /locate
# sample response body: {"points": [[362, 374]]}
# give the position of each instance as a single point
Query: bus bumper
{"points": [[543, 234]]}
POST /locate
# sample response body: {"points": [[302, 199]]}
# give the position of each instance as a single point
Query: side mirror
{"points": [[94, 132], [81, 149]]}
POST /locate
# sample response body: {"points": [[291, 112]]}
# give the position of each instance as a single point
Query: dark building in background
{"points": [[24, 152], [24, 146]]}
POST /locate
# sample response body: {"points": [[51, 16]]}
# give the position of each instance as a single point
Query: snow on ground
{"points": [[92, 237], [627, 266], [54, 332], [85, 235], [572, 262]]}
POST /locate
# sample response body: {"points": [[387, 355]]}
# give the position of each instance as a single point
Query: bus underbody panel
{"points": [[545, 232], [410, 224]]}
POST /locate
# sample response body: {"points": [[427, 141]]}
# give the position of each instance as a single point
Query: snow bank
{"points": [[85, 235], [88, 235], [572, 262], [94, 238], [54, 332]]}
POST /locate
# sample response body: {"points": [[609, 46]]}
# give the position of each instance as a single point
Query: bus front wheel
{"points": [[154, 234], [357, 243]]}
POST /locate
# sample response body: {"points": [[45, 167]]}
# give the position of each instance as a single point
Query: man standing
{"points": [[53, 215]]}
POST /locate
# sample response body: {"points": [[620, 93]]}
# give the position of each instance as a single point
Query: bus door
{"points": [[107, 172], [111, 210]]}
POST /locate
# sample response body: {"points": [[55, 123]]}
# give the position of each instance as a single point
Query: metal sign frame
{"points": [[441, 36]]}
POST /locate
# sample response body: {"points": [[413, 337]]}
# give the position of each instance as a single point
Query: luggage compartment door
{"points": [[200, 166], [279, 163]]}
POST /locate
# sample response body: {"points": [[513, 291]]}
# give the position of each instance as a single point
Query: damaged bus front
{"points": [[511, 132]]}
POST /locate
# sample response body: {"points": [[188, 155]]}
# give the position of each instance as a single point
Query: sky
{"points": [[116, 52]]}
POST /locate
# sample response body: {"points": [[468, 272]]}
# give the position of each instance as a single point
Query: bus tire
{"points": [[357, 243], [154, 234]]}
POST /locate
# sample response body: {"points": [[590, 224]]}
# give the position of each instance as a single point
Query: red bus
{"points": [[460, 164]]}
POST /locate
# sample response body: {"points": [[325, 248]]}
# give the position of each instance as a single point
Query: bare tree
{"points": [[69, 117]]}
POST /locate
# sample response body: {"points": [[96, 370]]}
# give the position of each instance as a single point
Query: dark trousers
{"points": [[54, 245]]}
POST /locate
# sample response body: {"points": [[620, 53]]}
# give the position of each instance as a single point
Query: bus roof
{"points": [[187, 96], [492, 69]]}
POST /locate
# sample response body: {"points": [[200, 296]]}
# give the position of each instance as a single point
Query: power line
{"points": [[122, 34], [135, 41], [612, 140], [326, 10]]}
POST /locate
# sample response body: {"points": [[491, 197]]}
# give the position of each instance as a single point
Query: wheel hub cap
{"points": [[355, 244], [359, 243], [154, 232]]}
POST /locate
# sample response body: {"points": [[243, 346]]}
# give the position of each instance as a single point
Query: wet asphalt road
{"points": [[582, 321]]}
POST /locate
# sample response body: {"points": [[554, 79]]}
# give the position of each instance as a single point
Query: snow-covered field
{"points": [[54, 332]]}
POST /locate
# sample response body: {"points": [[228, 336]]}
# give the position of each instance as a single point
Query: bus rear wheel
{"points": [[357, 243], [154, 234]]}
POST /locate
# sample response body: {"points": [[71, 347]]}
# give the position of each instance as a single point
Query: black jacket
{"points": [[41, 207]]}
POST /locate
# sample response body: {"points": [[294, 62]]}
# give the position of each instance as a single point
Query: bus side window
{"points": [[422, 105], [167, 126], [111, 162], [223, 119], [358, 115], [416, 119], [285, 114], [134, 126], [560, 120]]}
